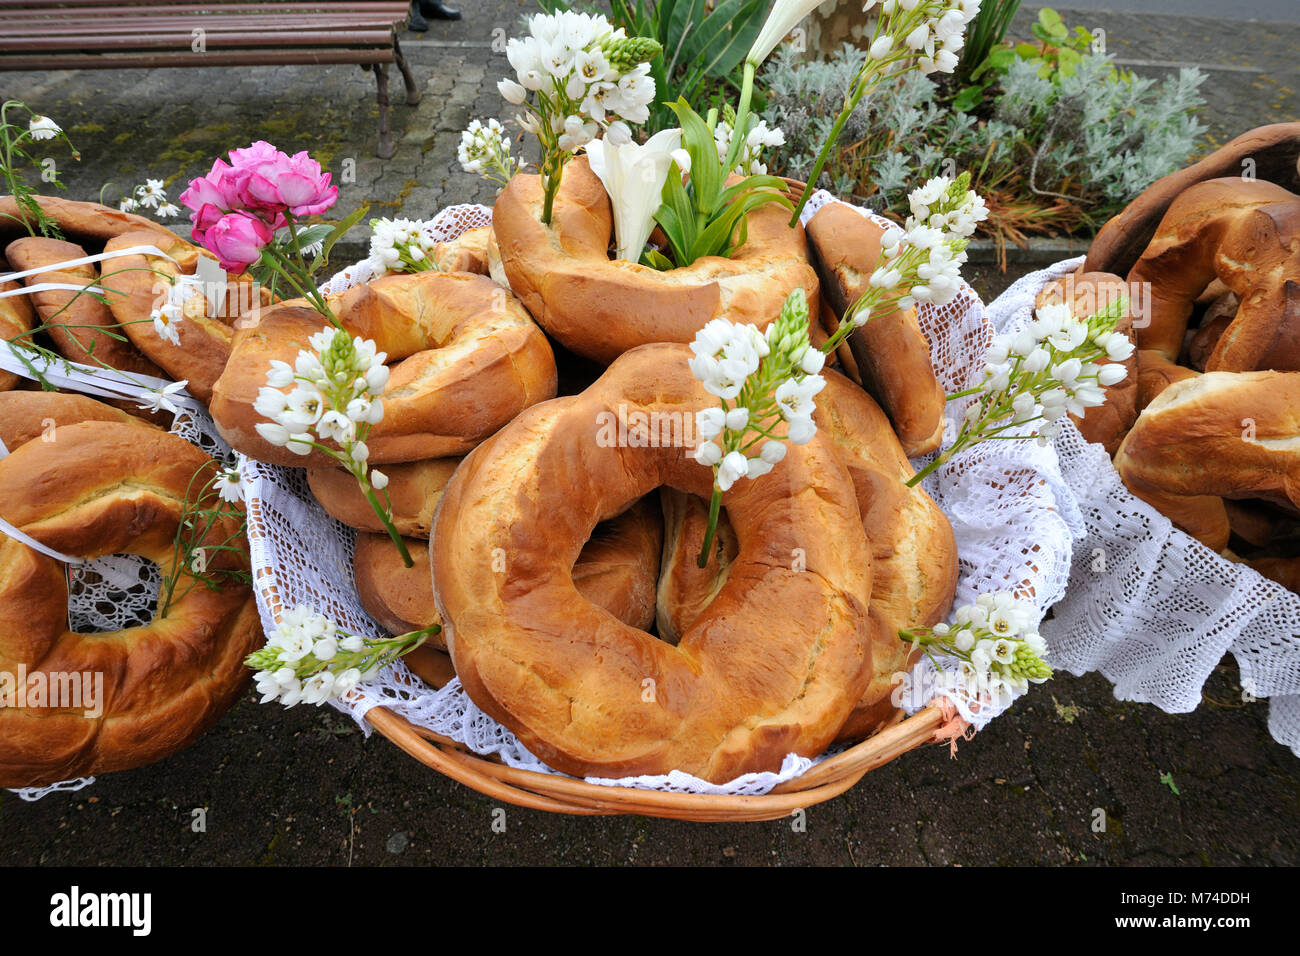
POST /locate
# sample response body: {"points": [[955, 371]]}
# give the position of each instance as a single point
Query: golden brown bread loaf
{"points": [[775, 664], [16, 317], [414, 489], [600, 308], [1246, 233], [85, 223], [913, 549], [1269, 152], [1087, 293], [82, 327], [28, 415], [108, 488], [890, 353], [1155, 374], [465, 358], [1222, 434], [468, 252]]}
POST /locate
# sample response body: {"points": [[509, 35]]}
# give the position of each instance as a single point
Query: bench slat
{"points": [[80, 6], [182, 40], [323, 26], [108, 61]]}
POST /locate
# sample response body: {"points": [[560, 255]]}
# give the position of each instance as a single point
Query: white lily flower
{"points": [[785, 14], [634, 177]]}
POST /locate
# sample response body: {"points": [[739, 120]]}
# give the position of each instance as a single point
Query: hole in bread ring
{"points": [[773, 666], [109, 488], [465, 358], [600, 308]]}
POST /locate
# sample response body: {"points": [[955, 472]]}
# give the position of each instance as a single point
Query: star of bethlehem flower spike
{"points": [[402, 245], [485, 149], [574, 75], [922, 261], [308, 659], [909, 34], [334, 402], [1059, 363], [997, 643], [763, 381]]}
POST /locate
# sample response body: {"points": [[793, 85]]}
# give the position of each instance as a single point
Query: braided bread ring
{"points": [[774, 665], [105, 488], [600, 308], [468, 359]]}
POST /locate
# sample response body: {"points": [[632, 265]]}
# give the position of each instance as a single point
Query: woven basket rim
{"points": [[564, 794]]}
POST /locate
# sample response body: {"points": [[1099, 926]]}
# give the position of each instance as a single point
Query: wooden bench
{"points": [[126, 34]]}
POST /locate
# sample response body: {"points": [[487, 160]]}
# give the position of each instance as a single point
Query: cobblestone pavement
{"points": [[305, 787]]}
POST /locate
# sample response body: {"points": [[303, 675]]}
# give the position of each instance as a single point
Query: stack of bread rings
{"points": [[560, 566], [85, 479], [1208, 429]]}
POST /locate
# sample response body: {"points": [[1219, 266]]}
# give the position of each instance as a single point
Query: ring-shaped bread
{"points": [[773, 666], [97, 488], [1247, 234], [600, 307], [465, 357]]}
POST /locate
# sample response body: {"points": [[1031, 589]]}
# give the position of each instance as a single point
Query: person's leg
{"points": [[437, 10], [417, 21]]}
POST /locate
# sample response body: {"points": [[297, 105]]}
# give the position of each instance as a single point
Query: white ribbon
{"points": [[47, 286], [25, 538], [86, 260], [104, 382]]}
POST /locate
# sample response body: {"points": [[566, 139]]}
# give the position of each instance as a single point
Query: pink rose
{"points": [[216, 188], [280, 183], [252, 155], [204, 218], [237, 240]]}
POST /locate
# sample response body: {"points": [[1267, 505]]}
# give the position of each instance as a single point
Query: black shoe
{"points": [[437, 10], [417, 23]]}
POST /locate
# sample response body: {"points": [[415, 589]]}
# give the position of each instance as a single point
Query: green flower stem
{"points": [[358, 471], [872, 75], [384, 515], [715, 506], [740, 131]]}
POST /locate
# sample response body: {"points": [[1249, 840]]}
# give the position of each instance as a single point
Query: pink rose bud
{"points": [[204, 219], [236, 240]]}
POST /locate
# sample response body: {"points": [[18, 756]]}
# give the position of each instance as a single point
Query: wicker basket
{"points": [[562, 794], [278, 526]]}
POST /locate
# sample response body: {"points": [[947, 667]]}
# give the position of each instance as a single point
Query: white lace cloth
{"points": [[1147, 605], [1012, 533]]}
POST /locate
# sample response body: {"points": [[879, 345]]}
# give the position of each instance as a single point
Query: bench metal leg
{"points": [[412, 90], [385, 132]]}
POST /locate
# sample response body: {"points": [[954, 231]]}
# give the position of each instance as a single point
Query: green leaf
{"points": [[324, 255], [707, 175], [656, 260], [1049, 18]]}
